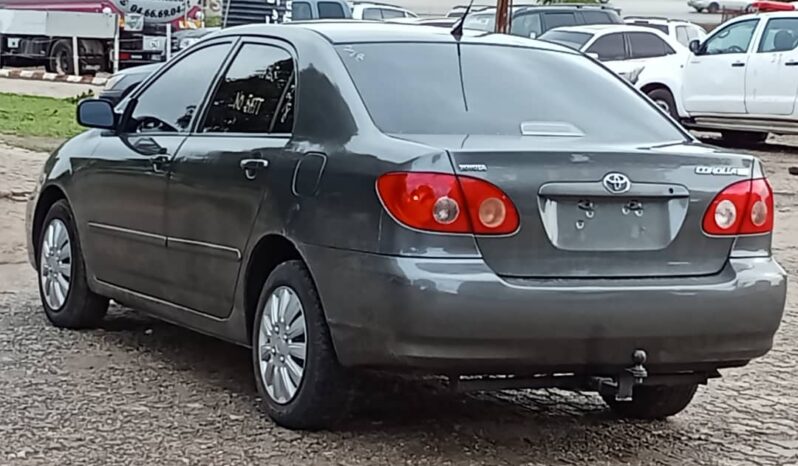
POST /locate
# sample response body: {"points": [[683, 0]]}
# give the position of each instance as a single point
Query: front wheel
{"points": [[651, 402], [664, 100], [299, 379], [68, 302]]}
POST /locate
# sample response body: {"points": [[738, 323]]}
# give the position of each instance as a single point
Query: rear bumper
{"points": [[457, 316]]}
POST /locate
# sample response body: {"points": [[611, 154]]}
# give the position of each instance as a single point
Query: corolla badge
{"points": [[616, 183]]}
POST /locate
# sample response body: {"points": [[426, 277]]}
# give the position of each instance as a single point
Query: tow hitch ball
{"points": [[627, 379]]}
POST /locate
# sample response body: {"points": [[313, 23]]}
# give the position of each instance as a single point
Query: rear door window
{"points": [[331, 10], [526, 24], [300, 11], [597, 17], [645, 45], [372, 14], [609, 48], [554, 20]]}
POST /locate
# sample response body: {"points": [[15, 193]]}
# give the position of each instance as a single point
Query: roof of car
{"points": [[655, 20], [607, 28], [355, 31]]}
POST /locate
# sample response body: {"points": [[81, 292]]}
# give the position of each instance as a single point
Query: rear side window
{"points": [[389, 13], [597, 17], [256, 94], [609, 47], [781, 35], [477, 89], [554, 20], [372, 14], [331, 10], [645, 45], [300, 11]]}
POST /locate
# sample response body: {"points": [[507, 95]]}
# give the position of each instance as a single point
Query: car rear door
{"points": [[238, 148], [124, 188], [714, 79], [772, 73]]}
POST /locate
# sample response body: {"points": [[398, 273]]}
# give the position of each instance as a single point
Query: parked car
{"points": [[509, 208], [446, 21], [379, 11], [122, 83], [240, 12], [741, 79], [716, 6], [532, 21], [651, 60], [682, 31], [458, 10]]}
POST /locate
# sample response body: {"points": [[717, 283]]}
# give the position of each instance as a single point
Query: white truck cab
{"points": [[742, 79]]}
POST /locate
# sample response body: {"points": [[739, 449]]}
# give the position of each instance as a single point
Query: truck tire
{"points": [[744, 138], [652, 402], [60, 58], [664, 99]]}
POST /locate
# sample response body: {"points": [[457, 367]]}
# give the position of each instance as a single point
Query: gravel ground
{"points": [[139, 391]]}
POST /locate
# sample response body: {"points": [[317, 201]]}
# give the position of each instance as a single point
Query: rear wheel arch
{"points": [[667, 93], [49, 196]]}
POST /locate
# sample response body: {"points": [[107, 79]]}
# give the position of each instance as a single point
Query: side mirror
{"points": [[695, 46], [96, 113]]}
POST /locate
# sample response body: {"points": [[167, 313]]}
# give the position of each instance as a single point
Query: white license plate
{"points": [[136, 57]]}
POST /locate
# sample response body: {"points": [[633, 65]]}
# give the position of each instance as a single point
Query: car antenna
{"points": [[457, 29]]}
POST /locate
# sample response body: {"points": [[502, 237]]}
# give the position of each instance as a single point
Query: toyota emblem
{"points": [[617, 183]]}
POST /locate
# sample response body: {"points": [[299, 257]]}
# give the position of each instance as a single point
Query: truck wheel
{"points": [[651, 402], [61, 58], [300, 382], [664, 99], [744, 138]]}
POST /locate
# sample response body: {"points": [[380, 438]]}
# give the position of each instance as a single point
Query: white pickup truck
{"points": [[742, 80]]}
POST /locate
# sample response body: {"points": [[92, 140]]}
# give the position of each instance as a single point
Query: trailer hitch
{"points": [[623, 387]]}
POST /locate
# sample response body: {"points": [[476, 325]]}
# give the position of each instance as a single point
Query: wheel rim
{"points": [[663, 105], [282, 345], [55, 264], [61, 63]]}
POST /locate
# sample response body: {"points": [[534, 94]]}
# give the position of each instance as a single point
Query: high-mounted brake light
{"points": [[743, 208], [446, 203]]}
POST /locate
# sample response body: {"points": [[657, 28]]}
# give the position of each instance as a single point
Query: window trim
{"points": [[155, 77], [244, 40], [710, 37], [762, 37]]}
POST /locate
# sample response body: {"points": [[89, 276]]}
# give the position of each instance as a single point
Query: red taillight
{"points": [[744, 208], [124, 56], [447, 203]]}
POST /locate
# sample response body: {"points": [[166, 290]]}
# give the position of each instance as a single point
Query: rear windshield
{"points": [[575, 40], [423, 88]]}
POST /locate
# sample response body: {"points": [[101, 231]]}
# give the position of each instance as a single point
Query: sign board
{"points": [[157, 11]]}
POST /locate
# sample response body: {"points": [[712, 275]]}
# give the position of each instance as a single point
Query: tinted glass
{"points": [[645, 45], [168, 105], [575, 40], [609, 47], [388, 13], [734, 38], [597, 17], [372, 14], [682, 35], [300, 11], [525, 25], [482, 22], [780, 35], [330, 10], [554, 20], [492, 90], [256, 93]]}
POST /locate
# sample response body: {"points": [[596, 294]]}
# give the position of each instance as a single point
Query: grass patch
{"points": [[24, 115]]}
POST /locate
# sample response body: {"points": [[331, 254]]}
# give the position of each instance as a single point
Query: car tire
{"points": [[744, 138], [713, 8], [652, 402], [664, 99], [322, 394], [68, 302]]}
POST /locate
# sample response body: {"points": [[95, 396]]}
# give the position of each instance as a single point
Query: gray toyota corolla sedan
{"points": [[504, 212]]}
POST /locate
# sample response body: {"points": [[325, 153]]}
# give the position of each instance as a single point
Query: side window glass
{"points": [[596, 17], [168, 105], [645, 45], [554, 20], [781, 35], [682, 35], [734, 38], [300, 11], [526, 25], [330, 10], [609, 47], [388, 13], [256, 94], [372, 13]]}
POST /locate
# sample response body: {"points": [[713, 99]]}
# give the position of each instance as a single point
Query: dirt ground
{"points": [[139, 391]]}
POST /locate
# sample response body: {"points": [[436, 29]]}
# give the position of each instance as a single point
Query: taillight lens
{"points": [[447, 203], [744, 208]]}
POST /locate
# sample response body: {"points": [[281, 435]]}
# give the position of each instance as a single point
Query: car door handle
{"points": [[252, 166], [791, 63], [738, 64]]}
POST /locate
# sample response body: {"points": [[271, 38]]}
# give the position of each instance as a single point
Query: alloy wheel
{"points": [[55, 264], [282, 345]]}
